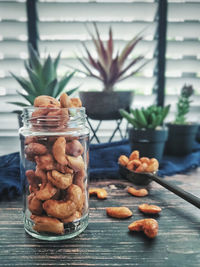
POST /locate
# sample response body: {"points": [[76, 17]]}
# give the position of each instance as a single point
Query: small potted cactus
{"points": [[181, 132], [148, 133]]}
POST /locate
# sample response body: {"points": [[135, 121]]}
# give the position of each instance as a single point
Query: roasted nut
{"points": [[99, 192], [34, 204], [153, 165], [74, 148], [76, 163], [145, 160], [46, 192], [142, 167], [33, 149], [46, 101], [138, 192], [119, 212], [123, 160], [76, 102], [32, 179], [79, 179], [63, 168], [47, 224], [60, 180], [75, 194], [41, 175], [59, 151], [72, 218], [30, 139], [45, 162], [65, 101], [133, 164], [149, 209], [134, 155], [149, 226], [59, 208]]}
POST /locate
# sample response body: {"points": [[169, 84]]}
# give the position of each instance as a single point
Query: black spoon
{"points": [[146, 178]]}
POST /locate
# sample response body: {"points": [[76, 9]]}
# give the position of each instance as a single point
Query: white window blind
{"points": [[63, 27], [13, 50], [183, 45]]}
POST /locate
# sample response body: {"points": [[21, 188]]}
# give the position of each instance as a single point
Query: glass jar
{"points": [[54, 171]]}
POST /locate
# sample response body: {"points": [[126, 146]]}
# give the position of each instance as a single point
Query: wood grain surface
{"points": [[107, 241]]}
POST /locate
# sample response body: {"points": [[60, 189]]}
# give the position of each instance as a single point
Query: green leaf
{"points": [[38, 86], [34, 60], [141, 118], [165, 112], [21, 104], [62, 83], [48, 71], [70, 92], [26, 85], [29, 98], [56, 62], [51, 88]]}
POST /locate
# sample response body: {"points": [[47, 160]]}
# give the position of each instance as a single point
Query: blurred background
{"points": [[54, 26]]}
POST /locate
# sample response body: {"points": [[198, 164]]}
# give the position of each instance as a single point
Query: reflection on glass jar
{"points": [[54, 170]]}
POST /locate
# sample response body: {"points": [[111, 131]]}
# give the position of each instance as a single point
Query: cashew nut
{"points": [[138, 193], [34, 204], [72, 218], [74, 148], [59, 209], [33, 149], [79, 179], [76, 102], [119, 212], [65, 101], [46, 101], [153, 165], [134, 155], [45, 162], [149, 209], [46, 192], [60, 180], [100, 192], [47, 224], [123, 160], [149, 226], [75, 194], [76, 163], [59, 151]]}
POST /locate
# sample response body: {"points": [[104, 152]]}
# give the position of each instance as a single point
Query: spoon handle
{"points": [[176, 190]]}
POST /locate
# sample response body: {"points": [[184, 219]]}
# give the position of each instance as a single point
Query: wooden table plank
{"points": [[107, 241]]}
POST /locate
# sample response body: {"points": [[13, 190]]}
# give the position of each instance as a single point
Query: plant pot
{"points": [[105, 105], [150, 143], [181, 139]]}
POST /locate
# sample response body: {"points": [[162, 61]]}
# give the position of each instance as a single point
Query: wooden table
{"points": [[107, 241]]}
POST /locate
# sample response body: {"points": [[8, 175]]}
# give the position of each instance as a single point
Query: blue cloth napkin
{"points": [[103, 164]]}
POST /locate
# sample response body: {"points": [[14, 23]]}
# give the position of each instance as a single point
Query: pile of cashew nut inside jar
{"points": [[54, 161]]}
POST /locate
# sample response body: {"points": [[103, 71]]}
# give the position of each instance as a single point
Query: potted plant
{"points": [[109, 68], [148, 134], [182, 133], [42, 80]]}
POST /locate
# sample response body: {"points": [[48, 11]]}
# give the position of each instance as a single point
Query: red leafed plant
{"points": [[111, 68]]}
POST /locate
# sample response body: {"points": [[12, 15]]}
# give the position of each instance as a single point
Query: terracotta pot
{"points": [[106, 105]]}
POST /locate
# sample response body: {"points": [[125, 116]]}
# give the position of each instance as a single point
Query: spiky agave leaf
{"points": [[110, 68], [42, 78]]}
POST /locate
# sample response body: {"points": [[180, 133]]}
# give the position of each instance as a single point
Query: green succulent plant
{"points": [[146, 118], [110, 68], [183, 105], [42, 79]]}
